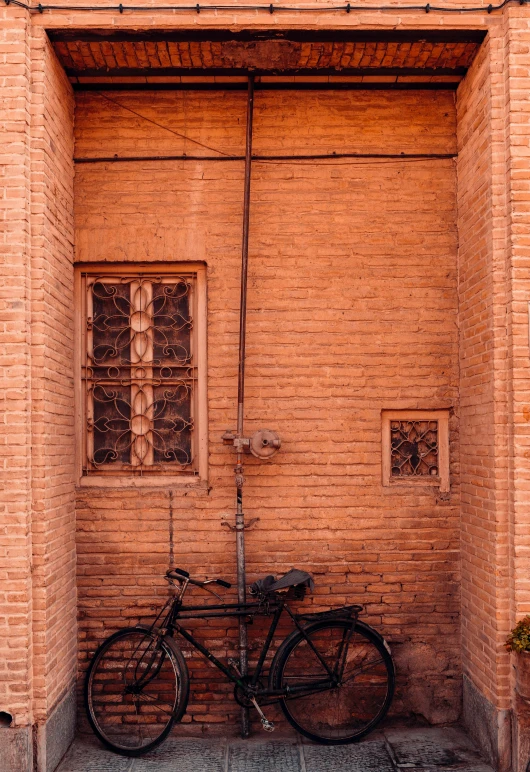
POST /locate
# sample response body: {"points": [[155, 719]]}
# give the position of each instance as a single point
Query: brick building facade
{"points": [[382, 287]]}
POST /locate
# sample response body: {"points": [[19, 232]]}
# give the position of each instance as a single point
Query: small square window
{"points": [[415, 445]]}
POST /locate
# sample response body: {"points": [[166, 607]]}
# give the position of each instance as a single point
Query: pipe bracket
{"points": [[240, 526]]}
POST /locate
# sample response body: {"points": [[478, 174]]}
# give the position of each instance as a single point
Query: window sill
{"points": [[417, 482], [188, 483], [423, 480]]}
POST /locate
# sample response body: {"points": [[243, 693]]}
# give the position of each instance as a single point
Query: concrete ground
{"points": [[395, 749]]}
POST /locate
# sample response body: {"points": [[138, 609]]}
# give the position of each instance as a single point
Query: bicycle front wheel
{"points": [[349, 710], [136, 687]]}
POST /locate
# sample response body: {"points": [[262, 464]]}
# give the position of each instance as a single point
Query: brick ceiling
{"points": [[102, 53]]}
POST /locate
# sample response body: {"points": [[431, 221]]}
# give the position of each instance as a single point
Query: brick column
{"points": [[484, 399], [16, 646], [517, 100], [53, 446], [494, 221], [37, 547]]}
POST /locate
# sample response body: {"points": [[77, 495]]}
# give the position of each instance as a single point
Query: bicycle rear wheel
{"points": [[136, 687], [350, 710]]}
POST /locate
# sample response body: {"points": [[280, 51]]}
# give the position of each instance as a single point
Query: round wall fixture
{"points": [[264, 443]]}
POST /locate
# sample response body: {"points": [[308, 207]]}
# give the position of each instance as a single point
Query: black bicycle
{"points": [[333, 676]]}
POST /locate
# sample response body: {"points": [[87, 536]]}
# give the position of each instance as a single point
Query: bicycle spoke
{"points": [[364, 668], [152, 700]]}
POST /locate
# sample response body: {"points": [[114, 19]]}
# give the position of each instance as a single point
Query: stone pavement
{"points": [[394, 749]]}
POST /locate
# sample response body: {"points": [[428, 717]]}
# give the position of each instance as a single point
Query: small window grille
{"points": [[415, 447], [140, 373]]}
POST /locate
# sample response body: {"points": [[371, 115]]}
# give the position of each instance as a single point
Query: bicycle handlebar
{"points": [[178, 571]]}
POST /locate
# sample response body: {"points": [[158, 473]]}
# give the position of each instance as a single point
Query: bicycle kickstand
{"points": [[267, 725]]}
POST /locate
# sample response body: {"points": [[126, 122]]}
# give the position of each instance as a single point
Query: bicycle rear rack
{"points": [[345, 612]]}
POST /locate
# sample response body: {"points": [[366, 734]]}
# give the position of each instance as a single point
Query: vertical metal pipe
{"points": [[244, 259], [240, 517]]}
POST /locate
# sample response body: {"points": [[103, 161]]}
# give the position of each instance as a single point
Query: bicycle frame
{"points": [[141, 672], [275, 607]]}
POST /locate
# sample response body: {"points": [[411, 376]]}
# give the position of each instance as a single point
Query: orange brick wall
{"points": [[352, 309], [355, 297]]}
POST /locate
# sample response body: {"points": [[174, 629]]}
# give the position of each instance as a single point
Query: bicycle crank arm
{"points": [[267, 725]]}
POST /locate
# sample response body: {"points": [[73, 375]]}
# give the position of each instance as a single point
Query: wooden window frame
{"points": [[442, 480], [124, 478]]}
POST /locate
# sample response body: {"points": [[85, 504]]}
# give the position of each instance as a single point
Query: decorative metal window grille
{"points": [[139, 374], [414, 448]]}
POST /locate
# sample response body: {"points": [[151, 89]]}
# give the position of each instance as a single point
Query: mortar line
{"points": [[390, 751], [303, 767], [226, 756]]}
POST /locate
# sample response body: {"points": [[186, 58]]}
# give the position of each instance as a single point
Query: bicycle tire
{"points": [[136, 688], [345, 713]]}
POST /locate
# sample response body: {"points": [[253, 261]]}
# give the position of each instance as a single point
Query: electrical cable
{"points": [[357, 159], [358, 162], [161, 126], [132, 158], [269, 8]]}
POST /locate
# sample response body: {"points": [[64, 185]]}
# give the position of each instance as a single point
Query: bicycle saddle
{"points": [[292, 578]]}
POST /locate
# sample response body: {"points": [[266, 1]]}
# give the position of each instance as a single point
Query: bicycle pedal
{"points": [[234, 663]]}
